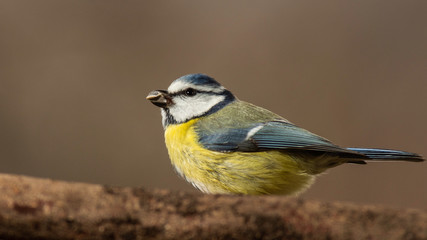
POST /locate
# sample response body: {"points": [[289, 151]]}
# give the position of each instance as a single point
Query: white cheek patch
{"points": [[185, 108]]}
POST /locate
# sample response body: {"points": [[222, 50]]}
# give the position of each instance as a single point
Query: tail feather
{"points": [[385, 154]]}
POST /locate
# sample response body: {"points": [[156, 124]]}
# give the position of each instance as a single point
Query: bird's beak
{"points": [[160, 98]]}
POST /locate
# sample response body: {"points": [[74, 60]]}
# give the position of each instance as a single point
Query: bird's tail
{"points": [[387, 155]]}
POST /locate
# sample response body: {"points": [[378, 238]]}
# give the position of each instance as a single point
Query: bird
{"points": [[222, 145]]}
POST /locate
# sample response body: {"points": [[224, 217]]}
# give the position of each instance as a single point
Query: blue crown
{"points": [[200, 79]]}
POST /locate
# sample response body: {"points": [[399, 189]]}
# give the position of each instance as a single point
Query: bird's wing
{"points": [[273, 135]]}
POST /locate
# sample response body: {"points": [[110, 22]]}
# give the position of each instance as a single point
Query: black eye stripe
{"points": [[197, 91]]}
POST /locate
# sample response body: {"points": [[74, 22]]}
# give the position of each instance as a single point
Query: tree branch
{"points": [[32, 208]]}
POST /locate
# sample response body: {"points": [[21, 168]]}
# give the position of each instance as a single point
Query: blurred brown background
{"points": [[74, 76]]}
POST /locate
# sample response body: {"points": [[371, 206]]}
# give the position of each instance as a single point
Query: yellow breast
{"points": [[184, 152], [269, 172]]}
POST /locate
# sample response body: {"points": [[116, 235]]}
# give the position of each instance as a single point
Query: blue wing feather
{"points": [[284, 135], [227, 140], [274, 135]]}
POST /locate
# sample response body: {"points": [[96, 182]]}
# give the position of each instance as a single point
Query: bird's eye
{"points": [[190, 92]]}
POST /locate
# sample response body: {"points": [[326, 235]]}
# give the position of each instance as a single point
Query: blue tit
{"points": [[223, 145]]}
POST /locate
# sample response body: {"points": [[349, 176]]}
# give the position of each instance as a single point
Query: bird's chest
{"points": [[181, 141], [183, 149], [190, 159]]}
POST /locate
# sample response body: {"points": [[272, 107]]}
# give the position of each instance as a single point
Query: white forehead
{"points": [[181, 84]]}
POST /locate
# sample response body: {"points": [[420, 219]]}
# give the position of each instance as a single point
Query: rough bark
{"points": [[32, 208]]}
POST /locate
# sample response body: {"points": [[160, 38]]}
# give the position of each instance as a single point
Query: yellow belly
{"points": [[269, 172]]}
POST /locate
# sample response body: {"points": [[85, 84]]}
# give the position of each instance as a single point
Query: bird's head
{"points": [[191, 96]]}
